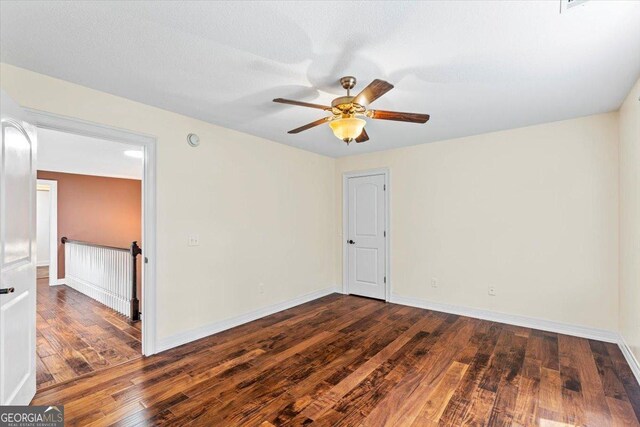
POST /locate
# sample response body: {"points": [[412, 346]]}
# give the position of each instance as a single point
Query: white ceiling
{"points": [[475, 66], [63, 152]]}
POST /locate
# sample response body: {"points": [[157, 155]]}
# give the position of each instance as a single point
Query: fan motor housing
{"points": [[345, 105], [342, 101]]}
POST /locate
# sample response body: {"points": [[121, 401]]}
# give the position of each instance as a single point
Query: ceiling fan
{"points": [[346, 110]]}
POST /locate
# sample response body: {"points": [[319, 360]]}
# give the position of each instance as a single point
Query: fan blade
{"points": [[309, 125], [375, 90], [301, 104], [398, 116], [363, 136]]}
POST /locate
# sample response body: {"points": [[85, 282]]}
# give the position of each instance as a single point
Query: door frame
{"points": [[46, 120], [53, 229], [386, 172]]}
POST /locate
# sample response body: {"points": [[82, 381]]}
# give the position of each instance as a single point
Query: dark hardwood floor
{"points": [[349, 361], [77, 335]]}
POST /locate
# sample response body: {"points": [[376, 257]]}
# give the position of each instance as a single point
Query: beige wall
{"points": [[531, 211], [261, 209], [630, 220]]}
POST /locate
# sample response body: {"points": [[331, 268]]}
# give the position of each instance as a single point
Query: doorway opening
{"points": [[87, 165], [88, 238], [47, 230]]}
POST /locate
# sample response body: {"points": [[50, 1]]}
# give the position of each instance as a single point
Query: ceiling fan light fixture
{"points": [[345, 111], [348, 128]]}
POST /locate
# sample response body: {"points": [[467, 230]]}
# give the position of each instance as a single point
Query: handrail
{"points": [[134, 250], [95, 245]]}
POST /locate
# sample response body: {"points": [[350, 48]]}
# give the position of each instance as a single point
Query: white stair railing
{"points": [[105, 273]]}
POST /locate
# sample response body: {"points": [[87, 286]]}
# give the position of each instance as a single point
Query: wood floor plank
{"points": [[433, 366], [58, 368], [71, 339], [622, 412], [344, 361], [457, 410], [592, 389], [623, 371], [407, 375], [365, 394], [507, 391], [383, 334], [332, 396], [43, 375], [323, 362], [525, 412], [550, 394], [438, 399], [612, 385]]}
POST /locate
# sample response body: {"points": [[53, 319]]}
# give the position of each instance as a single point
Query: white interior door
{"points": [[17, 256], [366, 249]]}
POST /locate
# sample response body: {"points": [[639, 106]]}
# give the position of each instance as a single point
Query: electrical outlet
{"points": [[261, 288], [193, 240], [434, 282], [492, 291]]}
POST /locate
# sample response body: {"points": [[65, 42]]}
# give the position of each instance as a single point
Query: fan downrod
{"points": [[348, 82]]}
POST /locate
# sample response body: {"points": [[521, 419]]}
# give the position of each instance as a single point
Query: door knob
{"points": [[7, 290], [351, 242]]}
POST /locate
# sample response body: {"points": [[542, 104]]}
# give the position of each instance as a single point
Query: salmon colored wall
{"points": [[97, 209]]}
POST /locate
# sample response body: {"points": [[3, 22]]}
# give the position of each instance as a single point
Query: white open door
{"points": [[17, 256], [366, 235]]}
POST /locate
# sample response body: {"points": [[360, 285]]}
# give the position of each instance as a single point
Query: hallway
{"points": [[77, 335]]}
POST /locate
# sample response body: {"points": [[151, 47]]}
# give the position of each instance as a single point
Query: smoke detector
{"points": [[193, 140]]}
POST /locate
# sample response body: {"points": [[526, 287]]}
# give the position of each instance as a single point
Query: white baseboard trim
{"points": [[213, 328], [62, 281], [511, 319], [630, 357]]}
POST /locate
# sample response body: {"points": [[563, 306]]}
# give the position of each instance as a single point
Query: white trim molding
{"points": [[386, 172], [53, 229], [528, 322], [511, 319], [222, 325], [46, 120], [62, 281], [630, 357]]}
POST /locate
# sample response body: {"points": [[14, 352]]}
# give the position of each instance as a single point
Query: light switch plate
{"points": [[194, 240]]}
